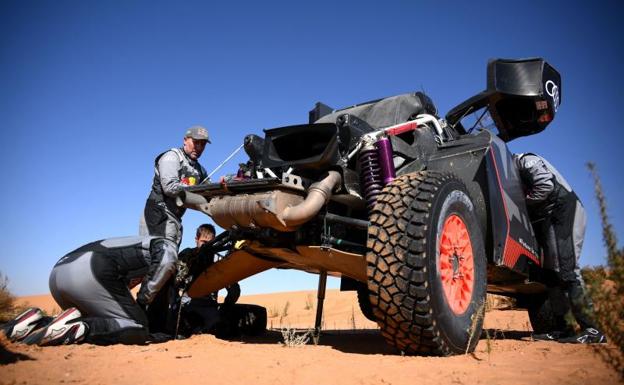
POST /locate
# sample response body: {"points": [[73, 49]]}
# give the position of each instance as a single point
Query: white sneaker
{"points": [[587, 336], [18, 328], [65, 329]]}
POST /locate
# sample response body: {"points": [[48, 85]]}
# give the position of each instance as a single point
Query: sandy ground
{"points": [[350, 351]]}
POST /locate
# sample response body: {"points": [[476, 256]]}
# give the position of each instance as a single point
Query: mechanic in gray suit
{"points": [[559, 220], [92, 284], [173, 170]]}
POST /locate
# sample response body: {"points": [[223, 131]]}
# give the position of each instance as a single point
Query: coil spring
{"points": [[370, 176]]}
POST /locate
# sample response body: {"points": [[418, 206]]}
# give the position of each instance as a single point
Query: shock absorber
{"points": [[376, 168], [386, 161], [370, 174]]}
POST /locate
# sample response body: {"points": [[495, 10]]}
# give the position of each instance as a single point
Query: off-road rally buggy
{"points": [[421, 215]]}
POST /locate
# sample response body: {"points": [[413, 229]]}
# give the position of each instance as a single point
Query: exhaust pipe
{"points": [[318, 195], [280, 210]]}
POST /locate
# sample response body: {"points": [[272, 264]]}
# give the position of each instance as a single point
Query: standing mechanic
{"points": [[174, 169], [92, 284], [559, 220]]}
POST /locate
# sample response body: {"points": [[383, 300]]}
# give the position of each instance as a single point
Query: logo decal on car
{"points": [[553, 90]]}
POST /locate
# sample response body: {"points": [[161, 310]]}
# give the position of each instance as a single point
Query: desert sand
{"points": [[350, 351]]}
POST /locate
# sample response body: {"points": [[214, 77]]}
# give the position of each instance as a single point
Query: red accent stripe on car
{"points": [[515, 250]]}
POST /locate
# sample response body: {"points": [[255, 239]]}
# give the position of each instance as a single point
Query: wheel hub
{"points": [[455, 265]]}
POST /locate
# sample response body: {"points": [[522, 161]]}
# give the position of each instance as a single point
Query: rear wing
{"points": [[522, 97]]}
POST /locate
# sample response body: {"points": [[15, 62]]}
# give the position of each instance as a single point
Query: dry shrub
{"points": [[606, 286], [7, 300]]}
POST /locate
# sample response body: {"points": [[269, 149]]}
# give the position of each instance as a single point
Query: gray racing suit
{"points": [[173, 170], [559, 221], [96, 278]]}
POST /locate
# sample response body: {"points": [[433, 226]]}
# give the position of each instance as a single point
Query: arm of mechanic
{"points": [[537, 178], [168, 172]]}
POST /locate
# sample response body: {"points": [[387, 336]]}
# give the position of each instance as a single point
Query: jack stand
{"points": [[319, 306]]}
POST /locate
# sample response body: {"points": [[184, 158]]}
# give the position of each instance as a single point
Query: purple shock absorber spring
{"points": [[384, 149], [370, 175]]}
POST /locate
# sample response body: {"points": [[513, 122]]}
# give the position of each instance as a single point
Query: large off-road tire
{"points": [[364, 302], [427, 265]]}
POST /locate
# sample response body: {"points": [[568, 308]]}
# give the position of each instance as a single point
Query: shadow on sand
{"points": [[361, 341], [9, 357], [498, 334], [365, 341]]}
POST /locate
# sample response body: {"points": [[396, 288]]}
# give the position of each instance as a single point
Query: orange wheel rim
{"points": [[456, 264]]}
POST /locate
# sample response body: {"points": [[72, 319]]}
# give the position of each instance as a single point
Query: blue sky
{"points": [[92, 91]]}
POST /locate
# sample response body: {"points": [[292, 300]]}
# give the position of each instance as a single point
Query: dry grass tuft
{"points": [[285, 309], [477, 319], [8, 309], [606, 286], [292, 339], [273, 311]]}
